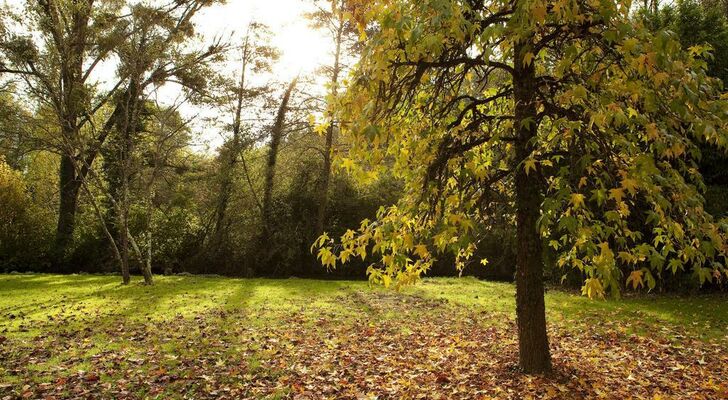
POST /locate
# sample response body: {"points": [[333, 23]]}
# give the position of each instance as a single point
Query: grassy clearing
{"points": [[82, 335], [31, 302]]}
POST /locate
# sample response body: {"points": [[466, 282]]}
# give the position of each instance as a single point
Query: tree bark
{"points": [[124, 250], [69, 189], [72, 52], [147, 267], [534, 354], [270, 171], [127, 131]]}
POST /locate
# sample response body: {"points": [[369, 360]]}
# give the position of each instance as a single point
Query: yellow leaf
{"points": [[539, 12], [630, 185], [617, 194], [636, 278], [632, 113], [529, 164], [347, 164], [528, 59], [593, 288], [652, 132], [629, 44], [660, 78], [407, 241], [579, 92], [577, 199], [421, 251], [320, 129]]}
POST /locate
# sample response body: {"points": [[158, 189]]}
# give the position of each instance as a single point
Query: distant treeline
{"points": [[96, 180]]}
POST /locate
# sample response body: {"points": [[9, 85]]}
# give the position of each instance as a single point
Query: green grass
{"points": [[31, 302], [29, 299], [705, 316], [55, 326]]}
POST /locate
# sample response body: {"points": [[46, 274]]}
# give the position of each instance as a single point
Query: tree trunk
{"points": [[534, 355], [323, 197], [123, 217], [124, 250], [228, 160], [147, 267], [127, 129], [270, 171], [68, 188]]}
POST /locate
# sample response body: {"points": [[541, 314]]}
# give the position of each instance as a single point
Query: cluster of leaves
{"points": [[23, 223], [618, 110]]}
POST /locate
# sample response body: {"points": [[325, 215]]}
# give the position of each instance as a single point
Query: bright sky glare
{"points": [[302, 48]]}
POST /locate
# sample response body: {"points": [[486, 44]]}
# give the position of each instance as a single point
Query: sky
{"points": [[302, 48]]}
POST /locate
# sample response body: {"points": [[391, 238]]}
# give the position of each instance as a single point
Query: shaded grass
{"points": [[704, 316]]}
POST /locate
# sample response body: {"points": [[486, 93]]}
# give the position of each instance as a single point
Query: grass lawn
{"points": [[197, 337]]}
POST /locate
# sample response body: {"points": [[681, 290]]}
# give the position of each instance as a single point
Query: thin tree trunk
{"points": [[323, 196], [124, 250], [130, 117], [228, 163], [124, 203], [124, 208], [145, 262], [534, 355], [270, 171], [104, 227], [147, 266]]}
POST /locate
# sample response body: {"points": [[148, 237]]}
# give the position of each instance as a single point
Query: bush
{"points": [[24, 233]]}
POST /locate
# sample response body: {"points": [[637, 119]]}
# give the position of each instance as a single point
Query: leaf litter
{"points": [[365, 345]]}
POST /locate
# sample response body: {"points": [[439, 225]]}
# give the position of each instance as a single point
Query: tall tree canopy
{"points": [[578, 115], [58, 51]]}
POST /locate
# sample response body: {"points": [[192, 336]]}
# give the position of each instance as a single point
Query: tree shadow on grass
{"points": [[82, 299], [704, 316]]}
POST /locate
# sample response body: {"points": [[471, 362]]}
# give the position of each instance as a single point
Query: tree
{"points": [[697, 24], [700, 23], [151, 55], [276, 136], [77, 37], [572, 111], [15, 140], [23, 228], [256, 57], [162, 141], [331, 18], [58, 54]]}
